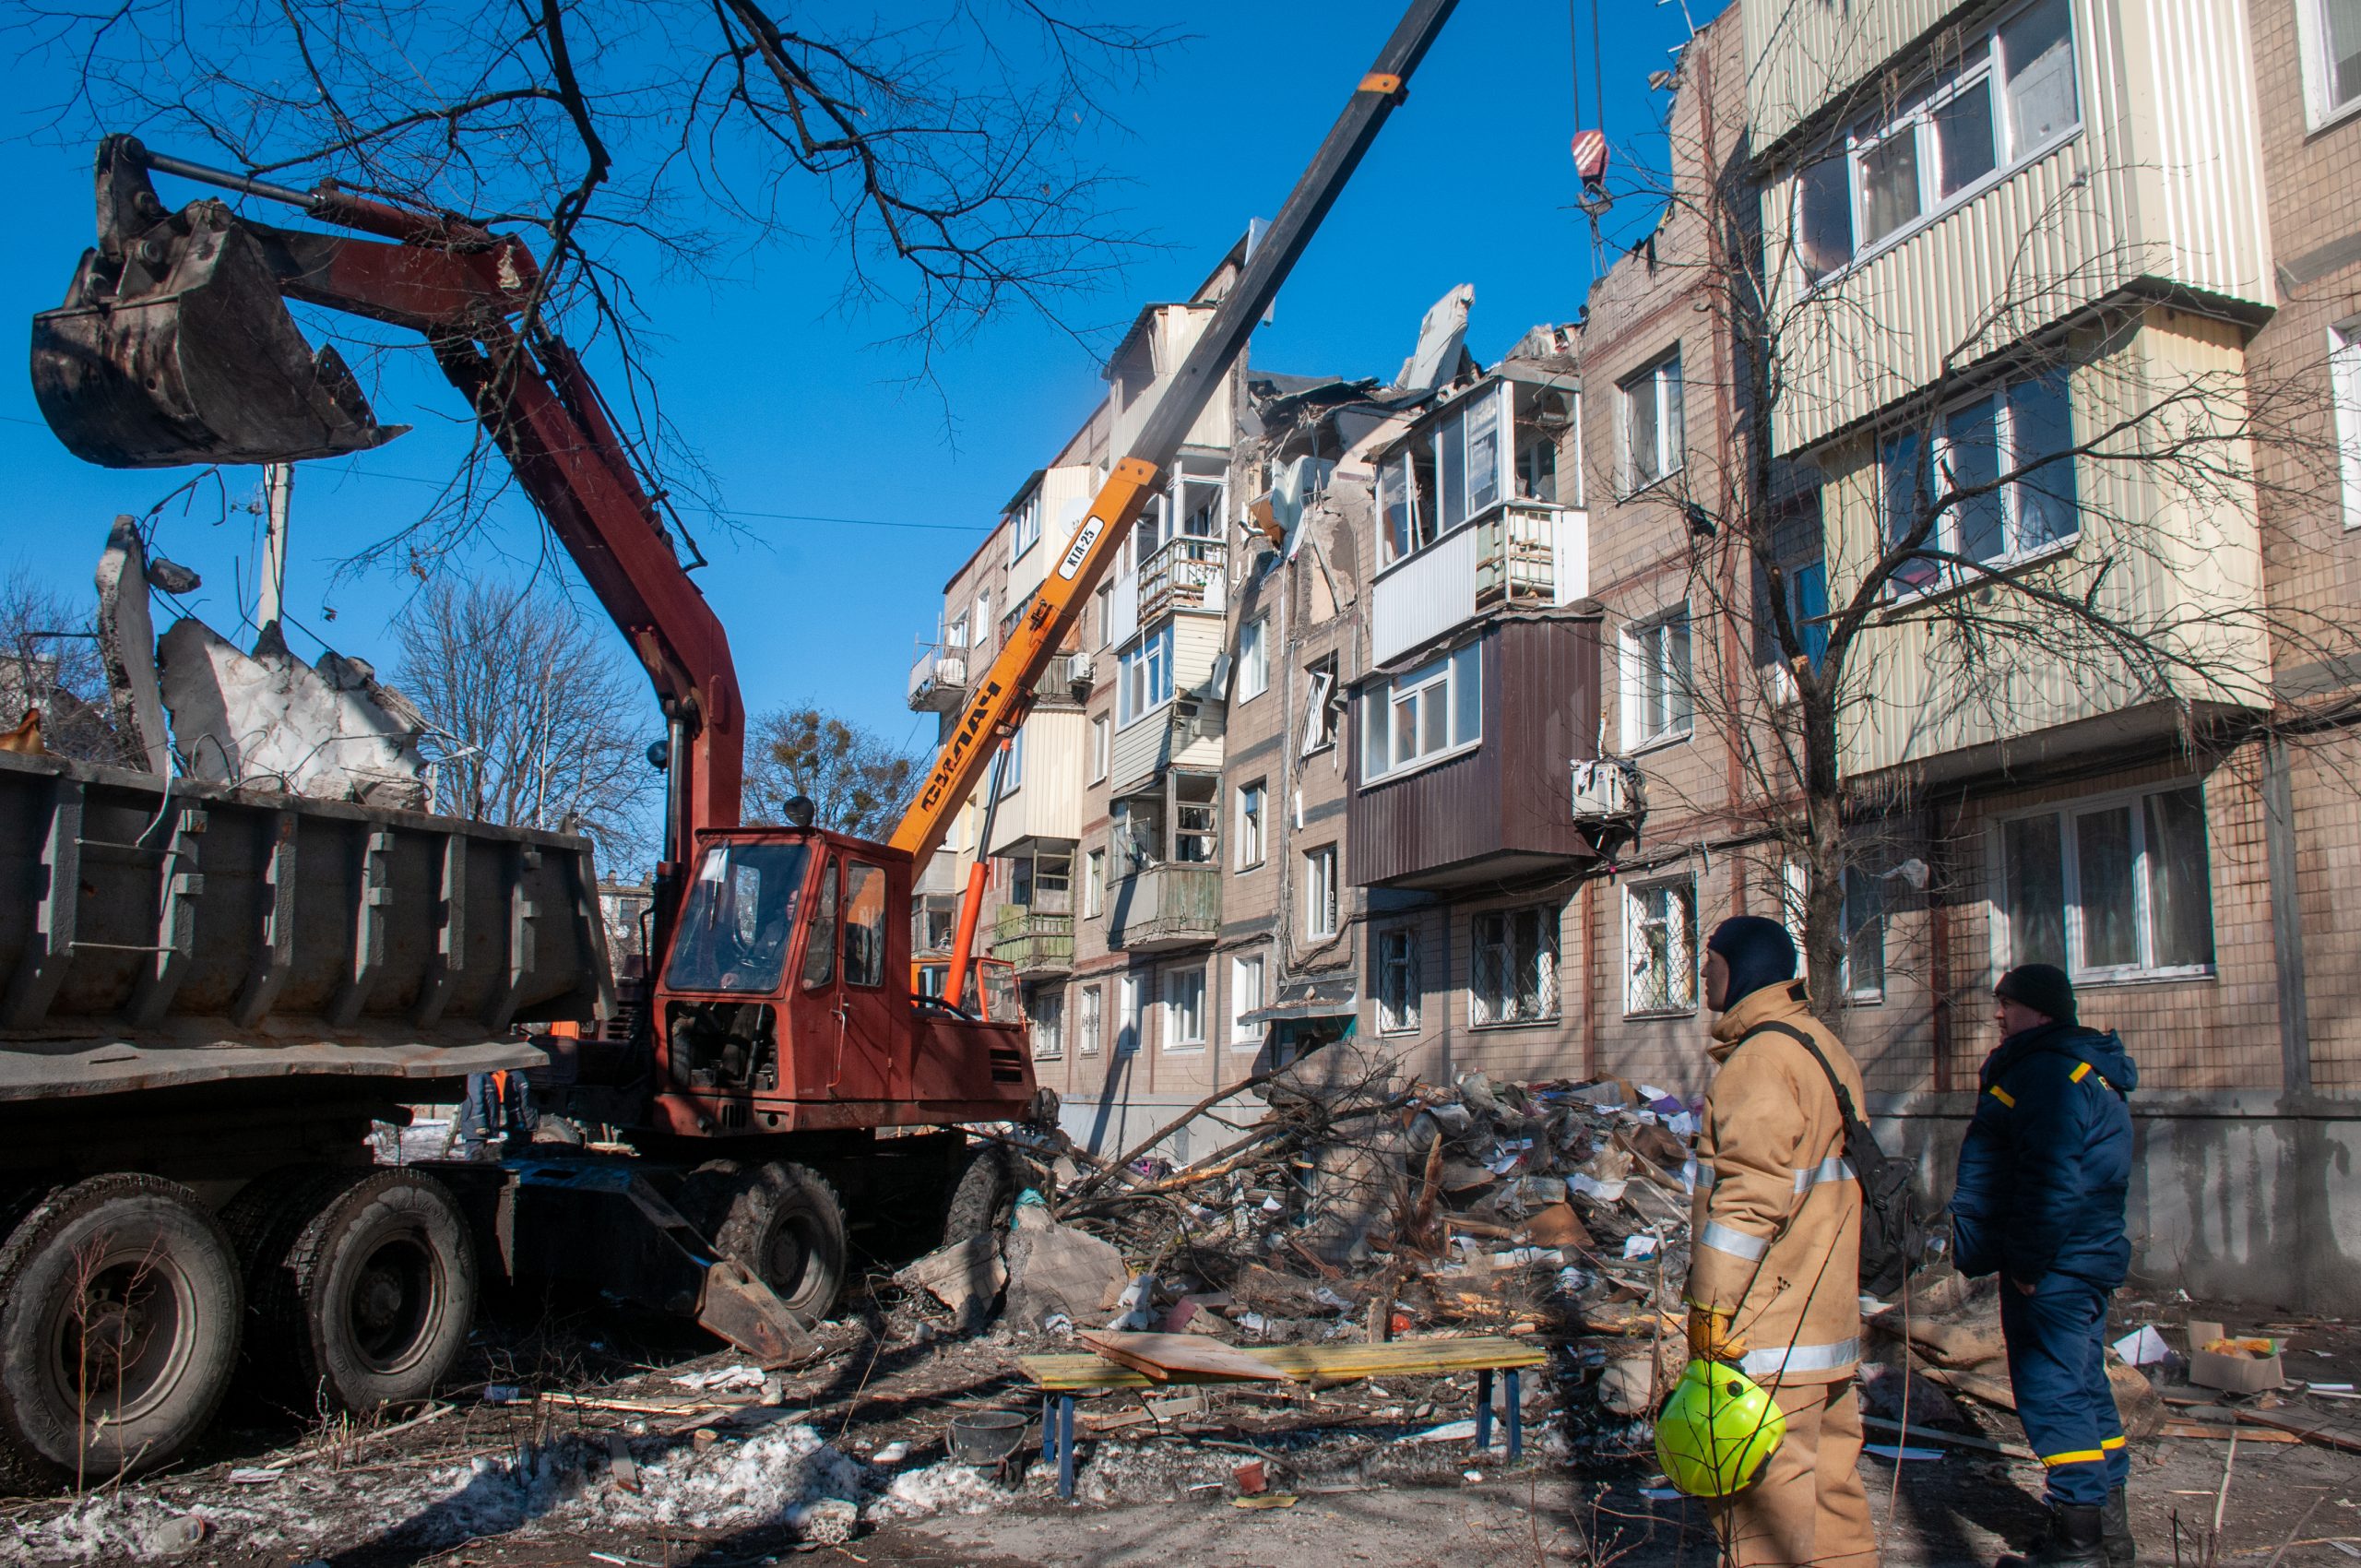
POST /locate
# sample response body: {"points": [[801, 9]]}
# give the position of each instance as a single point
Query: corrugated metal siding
{"points": [[1805, 51], [1048, 803], [2188, 565], [1423, 597], [2164, 180]]}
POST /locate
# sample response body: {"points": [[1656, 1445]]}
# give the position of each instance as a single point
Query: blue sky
{"points": [[800, 417]]}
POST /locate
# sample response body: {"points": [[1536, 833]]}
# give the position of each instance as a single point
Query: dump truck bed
{"points": [[155, 934]]}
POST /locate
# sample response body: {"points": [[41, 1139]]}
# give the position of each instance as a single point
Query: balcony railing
{"points": [[1187, 573], [939, 679], [1162, 907], [1033, 941], [1517, 553]]}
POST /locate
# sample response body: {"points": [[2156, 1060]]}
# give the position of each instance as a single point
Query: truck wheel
{"points": [[363, 1285], [119, 1318], [984, 1198], [783, 1224]]}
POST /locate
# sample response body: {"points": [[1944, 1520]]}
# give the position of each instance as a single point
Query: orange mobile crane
{"points": [[345, 954]]}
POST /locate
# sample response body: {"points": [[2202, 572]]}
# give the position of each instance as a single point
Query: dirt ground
{"points": [[719, 1477]]}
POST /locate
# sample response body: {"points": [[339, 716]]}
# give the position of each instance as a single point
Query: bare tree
{"points": [[49, 662], [947, 157], [1959, 589], [859, 781], [531, 712]]}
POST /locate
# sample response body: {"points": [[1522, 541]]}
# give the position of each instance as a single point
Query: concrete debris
{"points": [[266, 720], [1442, 340], [127, 646], [1054, 1269], [967, 1277]]}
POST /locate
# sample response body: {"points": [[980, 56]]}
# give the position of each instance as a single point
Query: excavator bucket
{"points": [[175, 347]]}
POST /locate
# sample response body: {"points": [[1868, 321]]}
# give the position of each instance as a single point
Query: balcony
{"points": [[939, 679], [1517, 554], [1186, 573], [1033, 942], [1161, 909]]}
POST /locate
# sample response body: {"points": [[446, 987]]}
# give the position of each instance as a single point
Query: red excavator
{"points": [[778, 1025]]}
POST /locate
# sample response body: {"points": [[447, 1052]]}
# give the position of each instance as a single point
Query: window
{"points": [[2110, 889], [1658, 704], [1397, 982], [1104, 598], [1804, 583], [955, 634], [1094, 884], [1102, 747], [1046, 1009], [1435, 710], [1864, 966], [1444, 474], [1660, 947], [2002, 96], [983, 622], [1654, 430], [2024, 430], [2344, 386], [1324, 706], [864, 925], [1132, 1000], [2330, 32], [1012, 767], [1091, 1020], [1145, 682], [1184, 1010], [1254, 805], [1513, 956], [1320, 913], [741, 918], [1253, 659], [1024, 525], [820, 947], [1245, 996]]}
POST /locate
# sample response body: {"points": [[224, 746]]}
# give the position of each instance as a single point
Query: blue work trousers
{"points": [[2058, 1365]]}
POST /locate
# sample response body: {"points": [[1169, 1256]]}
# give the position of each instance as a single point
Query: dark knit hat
{"points": [[2045, 988], [1759, 953]]}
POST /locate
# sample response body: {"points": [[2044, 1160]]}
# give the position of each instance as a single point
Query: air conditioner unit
{"points": [[1609, 789]]}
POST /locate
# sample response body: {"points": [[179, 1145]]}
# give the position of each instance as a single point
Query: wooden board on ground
{"points": [[1161, 1355], [1330, 1363]]}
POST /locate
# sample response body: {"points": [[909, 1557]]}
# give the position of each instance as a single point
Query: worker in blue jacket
{"points": [[2043, 1178]]}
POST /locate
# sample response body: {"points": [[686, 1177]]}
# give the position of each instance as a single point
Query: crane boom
{"points": [[999, 699]]}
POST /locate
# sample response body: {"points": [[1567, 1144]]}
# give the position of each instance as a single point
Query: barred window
{"points": [[1516, 978], [1660, 947], [1397, 982]]}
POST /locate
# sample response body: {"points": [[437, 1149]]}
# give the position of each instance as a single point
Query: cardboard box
{"points": [[2232, 1375]]}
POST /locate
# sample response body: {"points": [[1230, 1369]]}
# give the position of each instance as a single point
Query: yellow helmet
{"points": [[1716, 1430]]}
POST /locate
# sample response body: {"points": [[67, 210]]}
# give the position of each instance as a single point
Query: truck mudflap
{"points": [[601, 1222]]}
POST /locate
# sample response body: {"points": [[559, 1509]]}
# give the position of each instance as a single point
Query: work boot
{"points": [[2069, 1538], [2115, 1530]]}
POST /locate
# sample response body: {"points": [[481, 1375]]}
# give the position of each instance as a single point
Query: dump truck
{"points": [[210, 992]]}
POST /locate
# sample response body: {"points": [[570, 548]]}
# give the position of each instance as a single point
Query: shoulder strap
{"points": [[1802, 1037]]}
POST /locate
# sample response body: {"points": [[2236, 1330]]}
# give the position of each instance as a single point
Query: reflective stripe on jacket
{"points": [[1776, 1232]]}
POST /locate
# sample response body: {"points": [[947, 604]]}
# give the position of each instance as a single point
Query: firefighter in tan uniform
{"points": [[1774, 1269]]}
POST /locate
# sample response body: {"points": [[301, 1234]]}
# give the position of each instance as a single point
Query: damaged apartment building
{"points": [[1439, 710]]}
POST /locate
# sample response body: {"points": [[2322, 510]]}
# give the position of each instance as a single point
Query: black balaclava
{"points": [[2045, 988], [1759, 953]]}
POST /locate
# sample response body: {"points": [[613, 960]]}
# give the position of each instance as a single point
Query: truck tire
{"points": [[362, 1284], [782, 1223], [119, 1319], [983, 1198]]}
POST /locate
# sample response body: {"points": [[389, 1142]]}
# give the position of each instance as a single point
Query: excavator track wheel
{"points": [[120, 1310], [782, 1223], [362, 1284]]}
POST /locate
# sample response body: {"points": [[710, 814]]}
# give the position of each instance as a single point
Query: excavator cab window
{"points": [[739, 920]]}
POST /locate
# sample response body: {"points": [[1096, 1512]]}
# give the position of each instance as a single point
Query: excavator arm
{"points": [[174, 346]]}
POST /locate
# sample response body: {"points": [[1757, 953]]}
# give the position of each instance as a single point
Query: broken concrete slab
{"points": [[967, 1277], [268, 720], [127, 648], [1054, 1269]]}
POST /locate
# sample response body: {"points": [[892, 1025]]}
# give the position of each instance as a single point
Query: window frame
{"points": [[2345, 402], [1090, 1020], [1024, 525], [1398, 1015], [1323, 911], [1054, 995], [1094, 884], [1321, 721], [1446, 432], [1671, 456], [1254, 658], [1640, 641], [2321, 107], [1255, 840], [2008, 457], [1918, 117], [1172, 1039], [1681, 950], [1863, 885], [1146, 664], [1244, 1035], [1012, 773], [1103, 746], [1444, 678], [2068, 813], [1548, 932]]}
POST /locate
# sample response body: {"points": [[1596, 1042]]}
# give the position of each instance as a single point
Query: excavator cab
{"points": [[175, 346]]}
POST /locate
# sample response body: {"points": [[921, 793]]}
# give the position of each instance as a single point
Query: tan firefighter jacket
{"points": [[1777, 1219]]}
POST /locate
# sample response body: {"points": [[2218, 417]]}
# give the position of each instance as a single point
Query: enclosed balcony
{"points": [[1162, 908], [1034, 941], [939, 679], [1514, 554]]}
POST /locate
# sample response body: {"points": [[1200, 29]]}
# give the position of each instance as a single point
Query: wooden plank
{"points": [[1955, 1439], [1161, 1355], [1402, 1358], [2324, 1430]]}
